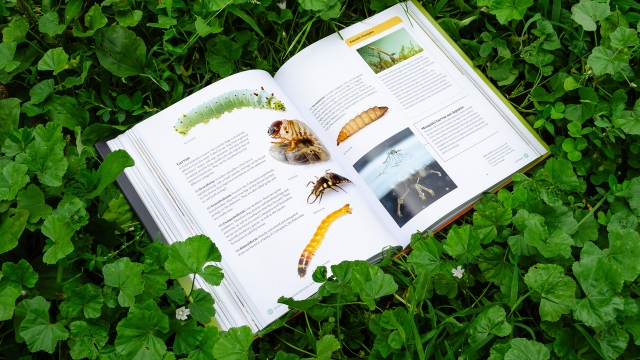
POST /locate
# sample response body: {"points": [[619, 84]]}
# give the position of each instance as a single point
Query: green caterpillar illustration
{"points": [[227, 102]]}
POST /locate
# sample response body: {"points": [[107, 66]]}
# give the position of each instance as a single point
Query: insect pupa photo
{"points": [[227, 102], [360, 121], [297, 144]]}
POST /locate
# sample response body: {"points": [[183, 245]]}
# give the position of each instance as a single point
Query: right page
{"points": [[414, 126]]}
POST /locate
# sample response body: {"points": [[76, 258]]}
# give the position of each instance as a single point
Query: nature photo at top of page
{"points": [[390, 50]]}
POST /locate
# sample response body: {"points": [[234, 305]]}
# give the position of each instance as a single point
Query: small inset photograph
{"points": [[404, 176], [389, 50]]}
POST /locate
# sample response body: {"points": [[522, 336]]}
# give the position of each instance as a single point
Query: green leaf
{"points": [[155, 284], [325, 346], [205, 348], [426, 255], [126, 276], [313, 5], [560, 173], [624, 37], [120, 51], [604, 61], [54, 59], [41, 91], [7, 52], [613, 342], [45, 155], [491, 321], [588, 230], [234, 344], [632, 194], [86, 339], [507, 10], [487, 220], [16, 31], [85, 299], [624, 252], [188, 336], [205, 28], [463, 243], [523, 349], [31, 199], [39, 333], [281, 355], [343, 270], [583, 111], [128, 18], [138, 333], [201, 306], [587, 12], [71, 10], [302, 305], [10, 114], [555, 290], [93, 20], [64, 111], [629, 121], [421, 288], [176, 294], [189, 256], [9, 293], [112, 166], [19, 275], [164, 22], [600, 281], [73, 210], [494, 266], [371, 283], [558, 243], [12, 179], [23, 308], [50, 24], [11, 229], [223, 55], [59, 230]]}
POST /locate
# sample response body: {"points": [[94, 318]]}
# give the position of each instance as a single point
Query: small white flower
{"points": [[458, 272], [23, 293], [282, 5], [181, 313]]}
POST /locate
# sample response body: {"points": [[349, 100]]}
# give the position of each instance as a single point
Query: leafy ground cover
{"points": [[547, 268]]}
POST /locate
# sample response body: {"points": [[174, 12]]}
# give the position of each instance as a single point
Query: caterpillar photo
{"points": [[298, 144], [227, 102], [317, 238], [360, 121]]}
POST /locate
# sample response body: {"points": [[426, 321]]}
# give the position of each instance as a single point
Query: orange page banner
{"points": [[367, 34]]}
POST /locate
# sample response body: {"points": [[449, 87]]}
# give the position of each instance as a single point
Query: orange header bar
{"points": [[367, 34]]}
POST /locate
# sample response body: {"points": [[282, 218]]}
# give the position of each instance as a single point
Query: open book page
{"points": [[226, 179], [432, 139]]}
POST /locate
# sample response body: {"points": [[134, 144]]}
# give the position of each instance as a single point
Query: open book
{"points": [[355, 144]]}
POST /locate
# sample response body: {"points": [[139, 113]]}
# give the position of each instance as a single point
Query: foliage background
{"points": [[551, 263]]}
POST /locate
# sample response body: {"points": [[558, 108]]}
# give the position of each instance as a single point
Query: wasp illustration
{"points": [[394, 158], [412, 181], [328, 181], [298, 145]]}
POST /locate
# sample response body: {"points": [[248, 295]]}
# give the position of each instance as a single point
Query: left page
{"points": [[224, 177]]}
